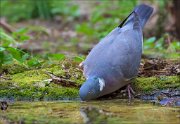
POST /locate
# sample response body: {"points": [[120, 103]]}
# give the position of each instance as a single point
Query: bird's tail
{"points": [[143, 11]]}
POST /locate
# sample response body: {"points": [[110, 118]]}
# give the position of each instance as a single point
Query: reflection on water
{"points": [[94, 112]]}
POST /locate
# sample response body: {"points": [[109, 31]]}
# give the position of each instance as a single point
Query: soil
{"points": [[159, 67]]}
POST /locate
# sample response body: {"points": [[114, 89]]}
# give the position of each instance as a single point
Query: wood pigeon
{"points": [[115, 60]]}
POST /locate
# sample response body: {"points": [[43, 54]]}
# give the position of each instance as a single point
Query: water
{"points": [[94, 112]]}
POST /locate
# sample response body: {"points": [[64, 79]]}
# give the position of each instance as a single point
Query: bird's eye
{"points": [[90, 92]]}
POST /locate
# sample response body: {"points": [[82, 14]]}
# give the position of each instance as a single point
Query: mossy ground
{"points": [[148, 84], [34, 84], [30, 84]]}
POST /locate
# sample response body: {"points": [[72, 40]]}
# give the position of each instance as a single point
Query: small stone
{"points": [[4, 105]]}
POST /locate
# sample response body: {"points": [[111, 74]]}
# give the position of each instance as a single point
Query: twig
{"points": [[62, 81], [6, 26]]}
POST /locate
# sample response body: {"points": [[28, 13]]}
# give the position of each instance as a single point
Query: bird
{"points": [[115, 60]]}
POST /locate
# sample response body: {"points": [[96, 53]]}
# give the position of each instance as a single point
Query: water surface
{"points": [[94, 112]]}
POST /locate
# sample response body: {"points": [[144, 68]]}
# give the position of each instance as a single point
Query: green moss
{"points": [[56, 93], [13, 68], [34, 84], [29, 77], [144, 84], [52, 92]]}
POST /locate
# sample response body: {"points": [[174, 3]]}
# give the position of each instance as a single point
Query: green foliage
{"points": [[21, 35], [174, 46], [6, 40], [9, 53], [18, 10], [46, 9], [8, 47], [41, 9], [64, 8], [85, 28], [33, 62], [162, 47], [79, 58], [149, 43], [105, 16], [160, 44], [56, 56], [102, 21], [99, 24]]}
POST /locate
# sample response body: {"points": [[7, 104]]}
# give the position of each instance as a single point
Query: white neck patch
{"points": [[101, 83]]}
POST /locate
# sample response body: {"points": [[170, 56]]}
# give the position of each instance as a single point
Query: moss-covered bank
{"points": [[36, 84], [147, 84], [31, 84]]}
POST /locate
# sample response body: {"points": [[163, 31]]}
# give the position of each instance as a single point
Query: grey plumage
{"points": [[116, 58]]}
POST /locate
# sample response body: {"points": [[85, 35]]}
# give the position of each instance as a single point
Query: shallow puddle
{"points": [[94, 112]]}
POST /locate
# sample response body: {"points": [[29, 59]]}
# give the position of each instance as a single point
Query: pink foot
{"points": [[130, 92]]}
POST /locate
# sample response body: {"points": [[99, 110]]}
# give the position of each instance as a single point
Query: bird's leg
{"points": [[130, 92]]}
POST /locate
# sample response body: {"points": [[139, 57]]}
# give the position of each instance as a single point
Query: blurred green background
{"points": [[34, 32]]}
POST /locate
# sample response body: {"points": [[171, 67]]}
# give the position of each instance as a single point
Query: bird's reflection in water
{"points": [[92, 115]]}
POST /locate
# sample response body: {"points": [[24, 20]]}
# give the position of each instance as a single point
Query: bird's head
{"points": [[92, 88]]}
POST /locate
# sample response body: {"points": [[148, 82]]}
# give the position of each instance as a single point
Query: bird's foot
{"points": [[130, 92]]}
